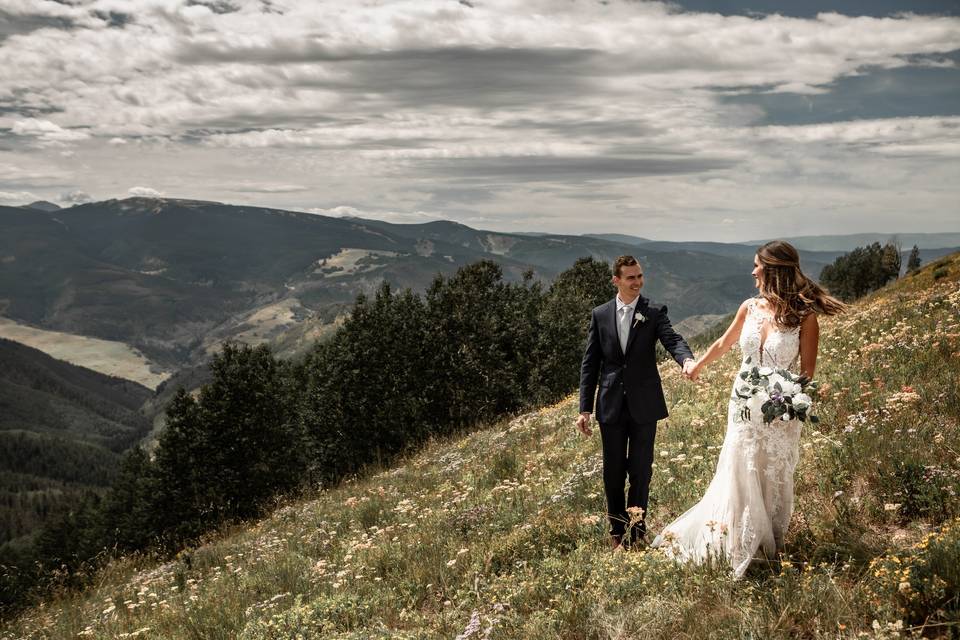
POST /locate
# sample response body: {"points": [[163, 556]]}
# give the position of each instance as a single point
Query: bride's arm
{"points": [[809, 342], [722, 344]]}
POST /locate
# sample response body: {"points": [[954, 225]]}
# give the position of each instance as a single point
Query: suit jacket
{"points": [[629, 378]]}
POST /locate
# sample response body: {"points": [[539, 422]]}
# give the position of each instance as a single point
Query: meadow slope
{"points": [[500, 533]]}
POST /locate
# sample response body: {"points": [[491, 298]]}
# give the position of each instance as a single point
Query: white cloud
{"points": [[268, 188], [870, 134], [399, 217], [17, 198], [386, 105], [143, 192], [47, 132], [75, 197], [339, 211], [176, 67], [22, 170]]}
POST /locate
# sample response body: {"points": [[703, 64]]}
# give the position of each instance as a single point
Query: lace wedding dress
{"points": [[746, 509]]}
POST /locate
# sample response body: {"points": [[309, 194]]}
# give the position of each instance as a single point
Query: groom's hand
{"points": [[690, 370], [583, 424]]}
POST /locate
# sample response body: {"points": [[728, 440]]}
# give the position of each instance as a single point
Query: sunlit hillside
{"points": [[500, 533]]}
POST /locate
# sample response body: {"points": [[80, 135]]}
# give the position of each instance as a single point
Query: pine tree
{"points": [[479, 327], [913, 262], [224, 455], [564, 319], [890, 262], [183, 453], [365, 394], [861, 271], [73, 540], [128, 508]]}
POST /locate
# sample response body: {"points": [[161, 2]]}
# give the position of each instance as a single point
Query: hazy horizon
{"points": [[893, 234], [672, 120]]}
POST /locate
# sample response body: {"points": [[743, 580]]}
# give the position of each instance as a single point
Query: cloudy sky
{"points": [[727, 120]]}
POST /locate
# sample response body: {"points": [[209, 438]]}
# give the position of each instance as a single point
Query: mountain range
{"points": [[173, 279]]}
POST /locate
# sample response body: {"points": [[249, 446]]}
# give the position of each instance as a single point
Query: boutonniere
{"points": [[639, 318]]}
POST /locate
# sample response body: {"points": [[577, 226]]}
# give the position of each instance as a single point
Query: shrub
{"points": [[923, 582]]}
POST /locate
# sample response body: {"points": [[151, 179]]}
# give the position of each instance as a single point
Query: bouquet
{"points": [[777, 393]]}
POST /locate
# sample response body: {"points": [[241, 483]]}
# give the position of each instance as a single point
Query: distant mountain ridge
{"points": [[844, 243], [619, 237], [174, 279], [42, 205]]}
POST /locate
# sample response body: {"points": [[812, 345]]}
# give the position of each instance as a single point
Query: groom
{"points": [[621, 356]]}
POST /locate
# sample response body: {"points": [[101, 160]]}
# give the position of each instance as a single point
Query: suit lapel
{"points": [[640, 307], [611, 315]]}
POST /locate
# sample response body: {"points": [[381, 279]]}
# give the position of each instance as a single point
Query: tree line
{"points": [[403, 368], [866, 269]]}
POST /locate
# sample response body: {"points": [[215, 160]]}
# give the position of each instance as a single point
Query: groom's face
{"points": [[629, 282]]}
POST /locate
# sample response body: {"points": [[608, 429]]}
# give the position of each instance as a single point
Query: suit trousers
{"points": [[627, 454]]}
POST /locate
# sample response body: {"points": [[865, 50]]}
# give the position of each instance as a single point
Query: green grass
{"points": [[502, 530]]}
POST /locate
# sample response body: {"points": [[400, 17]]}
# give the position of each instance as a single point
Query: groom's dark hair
{"points": [[623, 261]]}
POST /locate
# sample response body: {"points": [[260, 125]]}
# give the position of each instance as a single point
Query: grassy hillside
{"points": [[500, 534]]}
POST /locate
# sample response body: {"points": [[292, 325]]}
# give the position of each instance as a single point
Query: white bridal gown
{"points": [[746, 509]]}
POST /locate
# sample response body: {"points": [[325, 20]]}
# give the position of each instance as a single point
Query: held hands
{"points": [[690, 370], [583, 424]]}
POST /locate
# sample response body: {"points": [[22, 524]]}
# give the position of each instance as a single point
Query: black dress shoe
{"points": [[638, 538], [616, 541]]}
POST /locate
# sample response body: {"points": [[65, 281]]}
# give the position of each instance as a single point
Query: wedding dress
{"points": [[746, 509]]}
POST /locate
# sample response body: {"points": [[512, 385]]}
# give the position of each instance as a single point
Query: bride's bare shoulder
{"points": [[742, 312], [750, 304]]}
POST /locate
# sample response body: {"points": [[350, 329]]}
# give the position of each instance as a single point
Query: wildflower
{"points": [[472, 627]]}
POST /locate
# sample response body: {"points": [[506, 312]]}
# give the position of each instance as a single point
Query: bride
{"points": [[746, 509]]}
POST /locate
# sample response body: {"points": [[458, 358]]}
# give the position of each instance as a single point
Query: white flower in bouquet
{"points": [[755, 403], [802, 402], [775, 393]]}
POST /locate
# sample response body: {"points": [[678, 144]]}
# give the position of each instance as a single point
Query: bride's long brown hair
{"points": [[791, 294]]}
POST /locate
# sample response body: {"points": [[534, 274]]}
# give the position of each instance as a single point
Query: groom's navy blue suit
{"points": [[630, 400]]}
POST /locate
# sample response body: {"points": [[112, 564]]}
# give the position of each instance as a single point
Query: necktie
{"points": [[624, 328]]}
